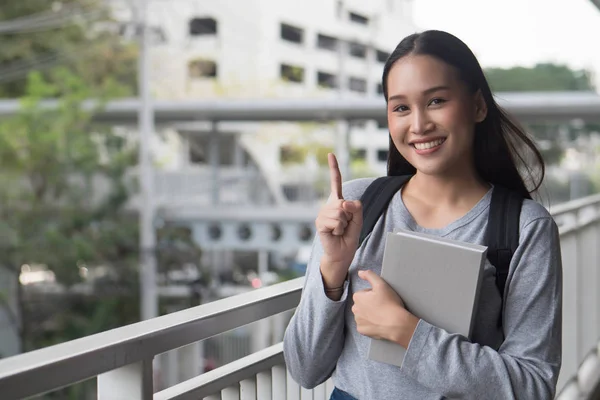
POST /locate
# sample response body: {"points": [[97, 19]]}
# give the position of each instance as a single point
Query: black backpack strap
{"points": [[375, 200], [502, 236]]}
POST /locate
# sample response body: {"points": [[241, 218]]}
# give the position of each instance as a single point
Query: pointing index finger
{"points": [[335, 176]]}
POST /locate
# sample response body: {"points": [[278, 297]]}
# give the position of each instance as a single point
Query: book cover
{"points": [[438, 279]]}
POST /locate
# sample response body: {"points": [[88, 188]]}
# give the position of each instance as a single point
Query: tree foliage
{"points": [[79, 35], [542, 77], [64, 186], [65, 181]]}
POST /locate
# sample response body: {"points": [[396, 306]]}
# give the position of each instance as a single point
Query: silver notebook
{"points": [[439, 281]]}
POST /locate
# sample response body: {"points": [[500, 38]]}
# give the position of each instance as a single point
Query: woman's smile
{"points": [[429, 146]]}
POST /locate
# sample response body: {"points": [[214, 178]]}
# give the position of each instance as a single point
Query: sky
{"points": [[520, 32]]}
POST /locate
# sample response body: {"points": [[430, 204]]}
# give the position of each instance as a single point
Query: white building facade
{"points": [[275, 49]]}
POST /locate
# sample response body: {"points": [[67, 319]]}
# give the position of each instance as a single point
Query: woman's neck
{"points": [[448, 189]]}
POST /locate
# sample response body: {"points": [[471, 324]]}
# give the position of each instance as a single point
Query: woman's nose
{"points": [[420, 122]]}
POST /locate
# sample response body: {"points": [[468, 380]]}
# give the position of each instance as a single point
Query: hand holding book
{"points": [[379, 312]]}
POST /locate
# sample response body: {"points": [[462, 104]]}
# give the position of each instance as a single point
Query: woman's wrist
{"points": [[334, 275], [404, 328], [334, 294]]}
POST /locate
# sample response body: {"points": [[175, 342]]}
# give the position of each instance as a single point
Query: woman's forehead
{"points": [[420, 73]]}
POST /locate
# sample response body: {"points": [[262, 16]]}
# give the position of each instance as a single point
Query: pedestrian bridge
{"points": [[123, 359]]}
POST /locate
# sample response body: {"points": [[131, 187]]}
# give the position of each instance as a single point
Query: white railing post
{"points": [[292, 388], [588, 255], [279, 382], [329, 386], [264, 386], [570, 346], [306, 394], [248, 389], [597, 282], [231, 393], [131, 382], [319, 392]]}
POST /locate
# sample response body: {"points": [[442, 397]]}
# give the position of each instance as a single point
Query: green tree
{"points": [[64, 181], [39, 35], [50, 159], [64, 191], [50, 164], [542, 77]]}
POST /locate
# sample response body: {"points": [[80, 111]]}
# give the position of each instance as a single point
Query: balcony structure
{"points": [[122, 359]]}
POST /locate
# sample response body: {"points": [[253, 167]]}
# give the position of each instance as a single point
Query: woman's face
{"points": [[432, 115]]}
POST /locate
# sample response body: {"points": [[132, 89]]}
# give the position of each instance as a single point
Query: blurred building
{"points": [[269, 48], [262, 49]]}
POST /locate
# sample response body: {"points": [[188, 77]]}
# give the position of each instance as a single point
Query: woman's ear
{"points": [[480, 107]]}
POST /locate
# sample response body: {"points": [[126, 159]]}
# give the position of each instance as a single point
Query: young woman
{"points": [[446, 131]]}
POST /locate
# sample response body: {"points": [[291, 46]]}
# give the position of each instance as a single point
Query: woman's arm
{"points": [[528, 362], [315, 335]]}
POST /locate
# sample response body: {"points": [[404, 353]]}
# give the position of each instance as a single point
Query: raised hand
{"points": [[338, 224]]}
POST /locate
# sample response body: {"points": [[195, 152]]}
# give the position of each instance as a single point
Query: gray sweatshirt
{"points": [[521, 360]]}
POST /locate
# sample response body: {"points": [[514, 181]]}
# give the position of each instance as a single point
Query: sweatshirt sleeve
{"points": [[315, 335], [527, 364]]}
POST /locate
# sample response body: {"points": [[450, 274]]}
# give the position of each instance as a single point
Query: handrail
{"points": [[67, 363], [574, 205]]}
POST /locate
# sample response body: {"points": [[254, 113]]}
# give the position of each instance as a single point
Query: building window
{"points": [[202, 69], [382, 56], [359, 19], [291, 155], [199, 149], [382, 155], [292, 73], [203, 26], [357, 124], [157, 35], [358, 85], [381, 124], [359, 155], [327, 42], [292, 34], [326, 80], [379, 88], [357, 50]]}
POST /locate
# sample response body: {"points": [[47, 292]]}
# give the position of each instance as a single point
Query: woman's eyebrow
{"points": [[425, 92]]}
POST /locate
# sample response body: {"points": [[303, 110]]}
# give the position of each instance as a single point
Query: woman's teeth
{"points": [[428, 145]]}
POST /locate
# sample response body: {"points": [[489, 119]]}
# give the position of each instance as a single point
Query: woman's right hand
{"points": [[338, 224]]}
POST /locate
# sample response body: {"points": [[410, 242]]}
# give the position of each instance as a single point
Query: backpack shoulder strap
{"points": [[375, 200], [502, 235]]}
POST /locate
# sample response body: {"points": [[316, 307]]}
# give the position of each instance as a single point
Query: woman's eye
{"points": [[400, 108], [437, 102]]}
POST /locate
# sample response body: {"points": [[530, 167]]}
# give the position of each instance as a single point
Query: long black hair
{"points": [[501, 147]]}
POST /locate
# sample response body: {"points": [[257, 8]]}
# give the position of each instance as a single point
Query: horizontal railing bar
{"points": [[574, 205], [230, 374], [563, 231], [67, 363]]}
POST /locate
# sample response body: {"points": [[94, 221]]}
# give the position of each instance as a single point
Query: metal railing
{"points": [[122, 358]]}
